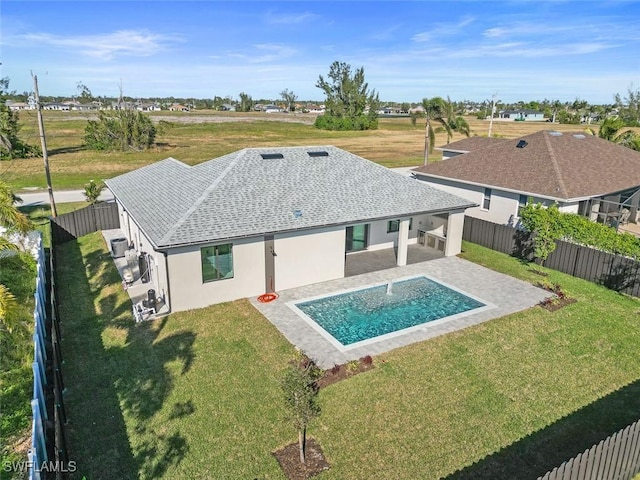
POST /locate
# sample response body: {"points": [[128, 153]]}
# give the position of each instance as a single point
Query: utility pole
{"points": [[43, 141], [493, 107]]}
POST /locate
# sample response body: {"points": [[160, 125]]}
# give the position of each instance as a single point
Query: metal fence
{"points": [[48, 456], [615, 458], [614, 271], [92, 218]]}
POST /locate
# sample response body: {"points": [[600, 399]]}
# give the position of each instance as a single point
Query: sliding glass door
{"points": [[357, 238]]}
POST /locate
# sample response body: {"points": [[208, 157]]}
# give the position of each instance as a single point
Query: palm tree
{"points": [[434, 111], [456, 122], [13, 221], [610, 130]]}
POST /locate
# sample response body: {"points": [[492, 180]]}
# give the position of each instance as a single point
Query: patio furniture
{"points": [[624, 217]]}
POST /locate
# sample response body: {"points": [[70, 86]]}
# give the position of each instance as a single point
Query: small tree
{"points": [[347, 98], [120, 130], [542, 222], [246, 102], [92, 191], [299, 384], [289, 98]]}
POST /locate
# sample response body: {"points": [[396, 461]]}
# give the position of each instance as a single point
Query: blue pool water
{"points": [[364, 314]]}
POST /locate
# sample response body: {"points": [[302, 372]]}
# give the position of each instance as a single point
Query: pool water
{"points": [[364, 314]]}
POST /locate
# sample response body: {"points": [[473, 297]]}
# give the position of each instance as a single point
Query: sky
{"points": [[467, 50]]}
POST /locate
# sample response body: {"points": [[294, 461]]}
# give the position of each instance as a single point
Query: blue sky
{"points": [[521, 50]]}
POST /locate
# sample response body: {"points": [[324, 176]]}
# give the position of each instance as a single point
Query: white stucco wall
{"points": [[157, 264], [503, 204], [380, 239], [187, 289], [309, 257]]}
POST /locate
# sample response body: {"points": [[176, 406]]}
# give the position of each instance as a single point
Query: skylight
{"points": [[271, 156], [319, 153]]}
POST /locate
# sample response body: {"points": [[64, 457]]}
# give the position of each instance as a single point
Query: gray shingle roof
{"points": [[242, 194], [562, 166]]}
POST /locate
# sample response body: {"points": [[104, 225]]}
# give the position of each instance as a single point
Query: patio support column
{"points": [[633, 210], [455, 224], [403, 241]]}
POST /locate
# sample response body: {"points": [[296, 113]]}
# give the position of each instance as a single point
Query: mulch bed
{"points": [[289, 460], [557, 303], [346, 370]]}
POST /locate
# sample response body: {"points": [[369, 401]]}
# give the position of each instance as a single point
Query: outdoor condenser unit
{"points": [[119, 246]]}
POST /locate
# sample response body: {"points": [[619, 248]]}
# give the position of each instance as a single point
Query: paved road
{"points": [[67, 196], [61, 196]]}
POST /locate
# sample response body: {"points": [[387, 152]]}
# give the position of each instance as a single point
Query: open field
{"points": [[196, 395], [198, 136]]}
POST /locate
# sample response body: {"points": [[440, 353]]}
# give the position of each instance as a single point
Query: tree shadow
{"points": [[118, 373], [59, 151], [542, 451]]}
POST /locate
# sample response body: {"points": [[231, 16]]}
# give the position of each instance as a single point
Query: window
{"points": [[486, 203], [394, 225], [217, 262], [522, 202], [357, 238]]}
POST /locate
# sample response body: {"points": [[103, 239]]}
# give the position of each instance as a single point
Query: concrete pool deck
{"points": [[505, 294]]}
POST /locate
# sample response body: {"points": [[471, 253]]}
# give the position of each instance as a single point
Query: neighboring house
{"points": [[265, 219], [17, 105], [178, 108], [467, 145], [584, 174], [272, 109], [148, 107], [56, 106], [523, 115], [228, 108]]}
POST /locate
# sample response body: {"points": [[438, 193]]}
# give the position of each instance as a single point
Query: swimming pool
{"points": [[352, 318]]}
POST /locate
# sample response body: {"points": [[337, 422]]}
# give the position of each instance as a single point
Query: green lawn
{"points": [[196, 395]]}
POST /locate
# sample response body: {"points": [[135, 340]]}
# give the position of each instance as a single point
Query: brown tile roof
{"points": [[471, 144], [562, 166]]}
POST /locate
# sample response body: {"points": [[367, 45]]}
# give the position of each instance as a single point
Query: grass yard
{"points": [[196, 395], [198, 136]]}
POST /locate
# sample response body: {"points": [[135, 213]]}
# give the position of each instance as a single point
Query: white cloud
{"points": [[264, 53], [444, 29], [106, 46], [290, 18]]}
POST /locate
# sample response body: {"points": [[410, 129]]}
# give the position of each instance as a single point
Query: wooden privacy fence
{"points": [[614, 271], [93, 218], [616, 458]]}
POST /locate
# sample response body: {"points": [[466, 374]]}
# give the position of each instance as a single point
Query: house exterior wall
{"points": [[188, 291], [379, 238], [309, 257], [503, 207], [157, 264]]}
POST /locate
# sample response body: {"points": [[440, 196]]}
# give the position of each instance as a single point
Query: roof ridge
{"points": [[556, 166], [202, 197]]}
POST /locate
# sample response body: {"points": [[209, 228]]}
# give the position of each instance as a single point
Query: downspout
{"points": [[166, 269]]}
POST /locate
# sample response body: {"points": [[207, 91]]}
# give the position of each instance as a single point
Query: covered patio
{"points": [[373, 260]]}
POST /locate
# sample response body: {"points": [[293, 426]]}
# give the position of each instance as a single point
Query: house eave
{"points": [[313, 227]]}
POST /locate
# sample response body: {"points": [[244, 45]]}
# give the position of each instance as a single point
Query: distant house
{"points": [[523, 115], [467, 145], [266, 219], [227, 107], [148, 107], [272, 109], [56, 106], [178, 108], [583, 174], [17, 105]]}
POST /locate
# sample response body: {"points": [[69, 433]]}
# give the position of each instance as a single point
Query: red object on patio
{"points": [[267, 297]]}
